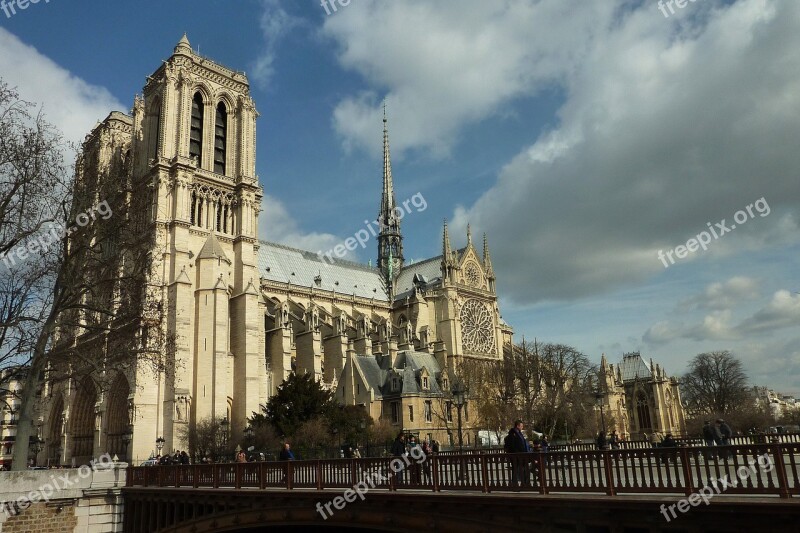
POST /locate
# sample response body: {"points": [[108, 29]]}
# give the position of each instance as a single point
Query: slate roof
{"points": [[429, 269], [280, 263], [374, 375], [633, 366], [408, 364]]}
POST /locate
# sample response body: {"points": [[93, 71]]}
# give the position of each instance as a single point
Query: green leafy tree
{"points": [[300, 399], [347, 421]]}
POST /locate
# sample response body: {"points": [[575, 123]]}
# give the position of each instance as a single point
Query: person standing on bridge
{"points": [[286, 455], [711, 437], [726, 433], [399, 451], [514, 443]]}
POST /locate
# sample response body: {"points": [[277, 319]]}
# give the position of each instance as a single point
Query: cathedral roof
{"points": [[633, 367], [280, 263], [429, 269]]}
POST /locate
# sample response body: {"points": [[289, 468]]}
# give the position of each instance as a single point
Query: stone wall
{"points": [[84, 500]]}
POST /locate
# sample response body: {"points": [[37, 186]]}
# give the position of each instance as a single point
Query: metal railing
{"points": [[754, 469]]}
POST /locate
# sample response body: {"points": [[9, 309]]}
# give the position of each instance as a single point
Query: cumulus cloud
{"points": [[666, 124], [782, 311], [723, 295], [67, 101], [446, 64]]}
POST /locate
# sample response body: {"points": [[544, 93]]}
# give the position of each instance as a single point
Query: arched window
{"points": [[643, 411], [196, 133], [220, 138], [153, 128], [194, 209]]}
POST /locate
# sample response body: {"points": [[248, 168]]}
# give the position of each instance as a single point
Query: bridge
{"points": [[735, 487]]}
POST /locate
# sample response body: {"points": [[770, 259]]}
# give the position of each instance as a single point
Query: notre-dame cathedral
{"points": [[247, 312]]}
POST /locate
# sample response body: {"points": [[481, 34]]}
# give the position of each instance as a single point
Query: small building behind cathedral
{"points": [[640, 399]]}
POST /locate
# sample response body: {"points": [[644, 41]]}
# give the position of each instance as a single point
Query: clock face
{"points": [[477, 328], [472, 275]]}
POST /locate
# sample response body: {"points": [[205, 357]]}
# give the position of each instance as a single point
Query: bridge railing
{"points": [[768, 469]]}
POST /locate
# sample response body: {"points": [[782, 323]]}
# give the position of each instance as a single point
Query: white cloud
{"points": [[275, 224], [68, 102], [447, 64], [723, 299], [667, 125], [275, 24], [782, 312], [723, 295]]}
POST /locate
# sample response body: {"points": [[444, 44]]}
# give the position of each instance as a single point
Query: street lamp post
{"points": [[363, 426], [127, 437], [160, 444], [598, 396], [224, 437], [459, 398], [339, 440], [36, 446]]}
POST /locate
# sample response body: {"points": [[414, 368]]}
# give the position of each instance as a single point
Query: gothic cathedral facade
{"points": [[244, 313]]}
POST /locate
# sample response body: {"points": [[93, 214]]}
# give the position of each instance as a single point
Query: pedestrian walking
{"points": [[286, 455], [668, 442], [399, 450], [613, 440], [516, 443], [426, 463], [711, 437], [602, 442], [725, 436]]}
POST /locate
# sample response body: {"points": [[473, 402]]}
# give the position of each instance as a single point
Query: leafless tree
{"points": [[715, 384], [492, 393], [566, 384], [83, 300], [206, 439]]}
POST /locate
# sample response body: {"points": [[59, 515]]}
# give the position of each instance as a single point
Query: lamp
{"points": [[598, 397], [459, 392], [160, 444], [127, 437]]}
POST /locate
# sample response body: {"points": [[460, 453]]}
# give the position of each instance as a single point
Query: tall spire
{"points": [[390, 239], [487, 258], [447, 252]]}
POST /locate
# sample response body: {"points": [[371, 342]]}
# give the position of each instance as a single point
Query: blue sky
{"points": [[582, 138]]}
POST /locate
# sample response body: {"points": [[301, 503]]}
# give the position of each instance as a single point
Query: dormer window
{"points": [[425, 383], [395, 384]]}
